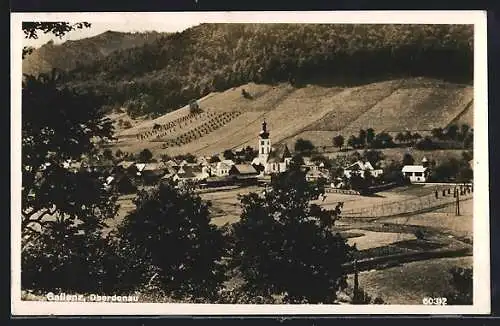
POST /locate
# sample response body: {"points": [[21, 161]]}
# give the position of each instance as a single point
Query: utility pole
{"points": [[457, 205]]}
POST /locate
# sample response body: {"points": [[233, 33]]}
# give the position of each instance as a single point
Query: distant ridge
{"points": [[73, 53]]}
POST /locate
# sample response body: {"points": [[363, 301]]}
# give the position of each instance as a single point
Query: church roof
{"points": [[279, 154]]}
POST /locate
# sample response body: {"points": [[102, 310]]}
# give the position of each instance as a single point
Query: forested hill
{"points": [[164, 75], [72, 54]]}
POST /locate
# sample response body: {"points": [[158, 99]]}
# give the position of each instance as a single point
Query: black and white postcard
{"points": [[249, 163]]}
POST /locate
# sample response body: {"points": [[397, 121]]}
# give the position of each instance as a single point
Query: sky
{"points": [[100, 27]]}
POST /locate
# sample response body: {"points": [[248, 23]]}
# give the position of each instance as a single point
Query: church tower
{"points": [[264, 144]]}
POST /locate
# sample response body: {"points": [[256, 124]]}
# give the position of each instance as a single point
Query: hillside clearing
{"points": [[312, 112]]}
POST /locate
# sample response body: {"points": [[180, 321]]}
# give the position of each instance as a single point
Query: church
{"points": [[273, 160]]}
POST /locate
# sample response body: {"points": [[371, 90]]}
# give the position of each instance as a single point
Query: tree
{"points": [[400, 137], [373, 156], [304, 146], [452, 132], [464, 131], [59, 29], [63, 208], [352, 141], [165, 158], [370, 136], [283, 242], [425, 144], [145, 156], [416, 136], [228, 154], [382, 140], [437, 133], [107, 154], [214, 159], [119, 153], [408, 159], [194, 107], [338, 141], [52, 134], [362, 138], [170, 231]]}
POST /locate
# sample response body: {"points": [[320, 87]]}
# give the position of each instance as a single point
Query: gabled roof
{"points": [[359, 165], [413, 168], [279, 154], [140, 166], [243, 169]]}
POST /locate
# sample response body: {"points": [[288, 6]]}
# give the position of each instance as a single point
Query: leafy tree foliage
{"points": [[452, 170], [338, 141], [426, 144], [170, 232], [408, 159], [228, 154], [60, 125], [284, 245], [370, 136], [374, 157], [214, 159], [145, 156], [304, 146]]}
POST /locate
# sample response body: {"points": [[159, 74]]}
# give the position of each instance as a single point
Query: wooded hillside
{"points": [[166, 74]]}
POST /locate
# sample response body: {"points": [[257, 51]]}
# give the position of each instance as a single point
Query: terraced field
{"points": [[317, 113]]}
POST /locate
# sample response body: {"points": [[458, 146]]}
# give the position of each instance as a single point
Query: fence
{"points": [[442, 197]]}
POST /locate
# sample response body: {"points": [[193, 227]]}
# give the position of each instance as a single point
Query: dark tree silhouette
{"points": [[170, 231], [408, 159], [283, 242], [370, 136], [304, 146], [145, 156], [228, 154], [338, 141], [59, 125]]}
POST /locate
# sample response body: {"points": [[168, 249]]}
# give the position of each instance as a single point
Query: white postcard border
{"points": [[481, 251]]}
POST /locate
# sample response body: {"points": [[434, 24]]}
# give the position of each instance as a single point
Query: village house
{"points": [[271, 160], [416, 173], [361, 168], [191, 173], [244, 173], [222, 168]]}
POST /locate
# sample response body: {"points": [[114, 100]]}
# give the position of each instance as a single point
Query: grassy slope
{"points": [[314, 112], [411, 282]]}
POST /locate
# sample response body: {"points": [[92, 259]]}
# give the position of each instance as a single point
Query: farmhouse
{"points": [[361, 168], [272, 160], [222, 168], [416, 173]]}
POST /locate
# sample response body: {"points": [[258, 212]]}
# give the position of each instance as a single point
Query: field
{"points": [[411, 282], [313, 112]]}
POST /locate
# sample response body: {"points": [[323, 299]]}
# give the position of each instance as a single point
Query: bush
{"points": [[170, 231]]}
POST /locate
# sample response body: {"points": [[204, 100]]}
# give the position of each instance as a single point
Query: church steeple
{"points": [[264, 134], [264, 143]]}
